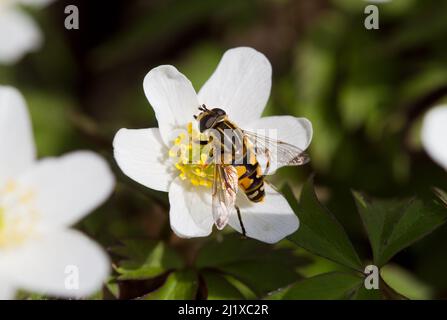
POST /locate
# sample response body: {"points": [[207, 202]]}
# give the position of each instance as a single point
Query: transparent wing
{"points": [[274, 153], [225, 185]]}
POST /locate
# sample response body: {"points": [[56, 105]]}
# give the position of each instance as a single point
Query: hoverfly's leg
{"points": [[210, 160], [244, 233]]}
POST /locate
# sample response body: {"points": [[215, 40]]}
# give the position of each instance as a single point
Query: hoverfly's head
{"points": [[208, 118]]}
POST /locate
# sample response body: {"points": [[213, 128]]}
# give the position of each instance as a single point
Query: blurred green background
{"points": [[365, 91]]}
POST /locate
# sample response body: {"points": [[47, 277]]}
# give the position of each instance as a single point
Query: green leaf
{"points": [[277, 295], [395, 225], [261, 267], [145, 259], [180, 285], [319, 232], [364, 294], [405, 283], [378, 218], [319, 265], [247, 293], [112, 286], [219, 288], [328, 286]]}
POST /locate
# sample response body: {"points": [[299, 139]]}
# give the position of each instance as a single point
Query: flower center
{"points": [[18, 215], [192, 157]]}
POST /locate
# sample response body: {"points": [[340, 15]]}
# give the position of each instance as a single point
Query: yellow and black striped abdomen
{"points": [[251, 180]]}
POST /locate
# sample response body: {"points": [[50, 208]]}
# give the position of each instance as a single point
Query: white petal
{"points": [[173, 98], [7, 290], [143, 157], [17, 150], [51, 264], [68, 188], [434, 135], [19, 34], [296, 131], [240, 85], [191, 214], [268, 221]]}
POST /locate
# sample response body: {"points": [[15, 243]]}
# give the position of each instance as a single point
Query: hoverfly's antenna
{"points": [[203, 108]]}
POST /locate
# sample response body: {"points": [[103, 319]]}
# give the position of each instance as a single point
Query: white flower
{"points": [[19, 34], [434, 134], [39, 201], [240, 86]]}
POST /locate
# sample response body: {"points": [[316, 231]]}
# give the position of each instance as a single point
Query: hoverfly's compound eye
{"points": [[207, 122], [219, 112]]}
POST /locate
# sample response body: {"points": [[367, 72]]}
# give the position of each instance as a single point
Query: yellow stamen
{"points": [[18, 216], [192, 158]]}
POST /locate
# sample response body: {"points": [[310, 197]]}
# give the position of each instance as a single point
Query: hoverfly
{"points": [[235, 153]]}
